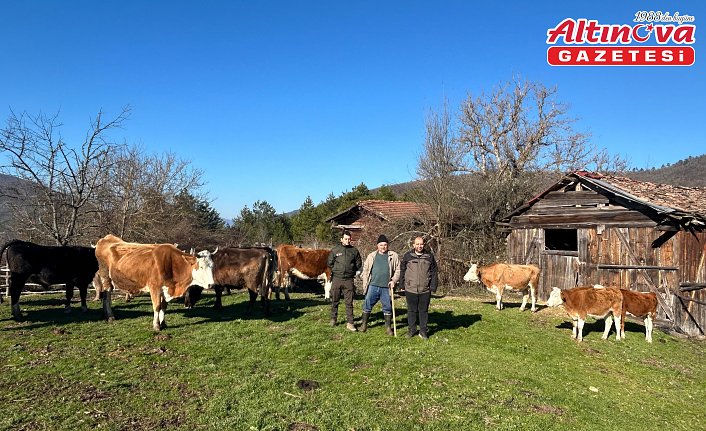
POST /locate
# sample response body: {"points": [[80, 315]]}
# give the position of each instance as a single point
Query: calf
{"points": [[639, 304], [47, 265], [500, 276], [595, 301], [160, 269]]}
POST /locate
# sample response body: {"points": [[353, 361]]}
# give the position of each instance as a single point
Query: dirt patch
{"points": [[548, 410], [308, 385], [91, 393]]}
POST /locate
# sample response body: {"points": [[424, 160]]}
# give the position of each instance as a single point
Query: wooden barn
{"points": [[373, 213], [590, 228]]}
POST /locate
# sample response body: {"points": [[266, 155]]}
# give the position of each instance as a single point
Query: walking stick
{"points": [[394, 321]]}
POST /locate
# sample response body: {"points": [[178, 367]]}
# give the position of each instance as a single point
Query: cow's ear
{"points": [[556, 289]]}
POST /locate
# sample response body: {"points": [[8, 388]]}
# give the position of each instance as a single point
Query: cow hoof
{"points": [[84, 309], [67, 310], [111, 319]]}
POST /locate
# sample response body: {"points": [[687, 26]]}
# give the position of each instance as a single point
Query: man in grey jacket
{"points": [[419, 280], [344, 261]]}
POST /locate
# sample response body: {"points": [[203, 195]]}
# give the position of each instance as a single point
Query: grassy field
{"points": [[480, 369]]}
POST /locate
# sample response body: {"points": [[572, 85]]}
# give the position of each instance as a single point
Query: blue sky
{"points": [[280, 100]]}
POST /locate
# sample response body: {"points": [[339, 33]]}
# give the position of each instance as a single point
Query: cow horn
{"points": [[215, 251], [192, 251]]}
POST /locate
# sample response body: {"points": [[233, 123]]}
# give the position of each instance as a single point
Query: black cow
{"points": [[46, 265]]}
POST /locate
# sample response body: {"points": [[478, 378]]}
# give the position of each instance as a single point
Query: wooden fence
{"points": [[30, 288]]}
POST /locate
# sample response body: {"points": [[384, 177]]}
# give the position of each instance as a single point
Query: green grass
{"points": [[480, 369]]}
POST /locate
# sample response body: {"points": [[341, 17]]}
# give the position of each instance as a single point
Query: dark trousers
{"points": [[417, 304], [340, 286]]}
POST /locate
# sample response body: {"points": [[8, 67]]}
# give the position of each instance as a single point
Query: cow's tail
{"points": [[7, 244], [265, 285], [2, 251]]}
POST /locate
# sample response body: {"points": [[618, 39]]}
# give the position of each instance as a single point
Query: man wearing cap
{"points": [[381, 270], [344, 261]]}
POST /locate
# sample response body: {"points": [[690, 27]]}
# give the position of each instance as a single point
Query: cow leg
{"points": [[265, 304], [83, 293], [574, 328], [498, 301], [525, 297], [579, 329], [608, 322], [106, 292], [534, 299], [17, 282], [219, 292], [158, 312], [286, 294], [69, 296], [253, 298], [327, 289], [617, 327], [648, 328]]}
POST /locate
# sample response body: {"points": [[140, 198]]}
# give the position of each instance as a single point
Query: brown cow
{"points": [[639, 304], [304, 263], [500, 276], [160, 269], [595, 301], [243, 267]]}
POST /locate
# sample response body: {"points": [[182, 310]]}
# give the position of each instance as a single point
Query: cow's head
{"points": [[202, 275], [555, 298], [472, 274]]}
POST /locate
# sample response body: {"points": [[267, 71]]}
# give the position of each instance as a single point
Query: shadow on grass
{"points": [[597, 326], [515, 305], [448, 321]]}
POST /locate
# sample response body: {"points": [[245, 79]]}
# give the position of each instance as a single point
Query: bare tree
{"points": [[62, 179], [503, 148], [140, 201]]}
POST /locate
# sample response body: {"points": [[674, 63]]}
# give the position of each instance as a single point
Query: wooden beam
{"points": [[688, 287], [650, 283], [661, 268]]}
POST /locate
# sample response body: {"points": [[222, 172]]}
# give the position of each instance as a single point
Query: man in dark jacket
{"points": [[344, 261], [419, 278]]}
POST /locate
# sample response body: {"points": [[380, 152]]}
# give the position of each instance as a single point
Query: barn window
{"points": [[561, 239]]}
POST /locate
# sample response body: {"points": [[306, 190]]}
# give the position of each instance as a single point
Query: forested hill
{"points": [[690, 172]]}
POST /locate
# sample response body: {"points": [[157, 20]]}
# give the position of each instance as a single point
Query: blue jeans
{"points": [[374, 294]]}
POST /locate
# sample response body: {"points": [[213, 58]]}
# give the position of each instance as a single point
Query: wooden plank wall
{"points": [[625, 246]]}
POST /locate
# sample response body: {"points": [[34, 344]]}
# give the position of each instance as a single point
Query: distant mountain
{"points": [[10, 188], [690, 172]]}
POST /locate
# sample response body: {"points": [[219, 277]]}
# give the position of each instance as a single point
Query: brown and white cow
{"points": [[500, 276], [160, 269], [595, 301], [639, 304], [304, 263], [250, 268]]}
